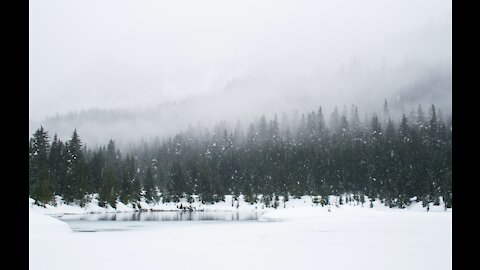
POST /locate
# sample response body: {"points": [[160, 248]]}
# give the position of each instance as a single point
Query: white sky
{"points": [[136, 54]]}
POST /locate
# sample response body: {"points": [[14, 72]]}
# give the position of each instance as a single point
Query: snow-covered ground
{"points": [[92, 207], [229, 204], [302, 237]]}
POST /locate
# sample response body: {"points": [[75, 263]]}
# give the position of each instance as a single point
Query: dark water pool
{"points": [[147, 220]]}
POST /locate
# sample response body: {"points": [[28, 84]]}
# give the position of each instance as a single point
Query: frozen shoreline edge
{"points": [[228, 205]]}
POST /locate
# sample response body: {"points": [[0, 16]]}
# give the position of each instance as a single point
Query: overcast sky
{"points": [[137, 54]]}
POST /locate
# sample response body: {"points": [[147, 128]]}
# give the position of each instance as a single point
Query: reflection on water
{"points": [[105, 222], [166, 216]]}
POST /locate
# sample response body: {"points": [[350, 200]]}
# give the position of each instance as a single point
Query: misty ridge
{"points": [[405, 87], [150, 69]]}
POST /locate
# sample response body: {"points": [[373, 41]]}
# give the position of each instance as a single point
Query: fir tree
{"points": [[108, 193], [76, 175], [39, 148], [149, 187]]}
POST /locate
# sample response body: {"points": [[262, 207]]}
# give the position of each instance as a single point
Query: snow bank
{"points": [[304, 209], [39, 223], [229, 204]]}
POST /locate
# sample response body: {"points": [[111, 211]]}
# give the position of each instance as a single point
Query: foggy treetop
{"points": [[394, 160]]}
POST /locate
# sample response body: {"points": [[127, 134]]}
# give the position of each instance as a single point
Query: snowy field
{"points": [[296, 237]]}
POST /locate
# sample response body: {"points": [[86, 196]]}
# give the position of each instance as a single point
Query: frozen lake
{"points": [[349, 237]]}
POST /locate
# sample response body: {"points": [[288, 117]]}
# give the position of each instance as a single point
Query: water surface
{"points": [[101, 222]]}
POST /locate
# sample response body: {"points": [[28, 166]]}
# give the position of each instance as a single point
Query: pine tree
{"points": [[96, 170], [41, 186], [113, 159], [335, 120], [302, 157], [127, 192], [375, 170], [390, 157], [136, 186], [108, 193], [57, 165], [42, 190], [149, 187], [76, 176], [38, 157], [386, 112]]}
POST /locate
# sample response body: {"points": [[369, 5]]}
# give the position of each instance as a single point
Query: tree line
{"points": [[392, 160]]}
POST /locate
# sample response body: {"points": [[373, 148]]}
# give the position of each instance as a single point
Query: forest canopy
{"points": [[394, 160]]}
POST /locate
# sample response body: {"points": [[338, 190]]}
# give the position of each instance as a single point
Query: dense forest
{"points": [[390, 159]]}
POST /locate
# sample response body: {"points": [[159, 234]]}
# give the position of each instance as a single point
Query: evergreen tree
{"points": [[41, 186], [300, 157], [108, 193], [177, 182], [42, 190], [57, 165], [38, 157], [127, 191], [386, 112], [335, 120], [149, 187], [76, 176], [96, 169]]}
